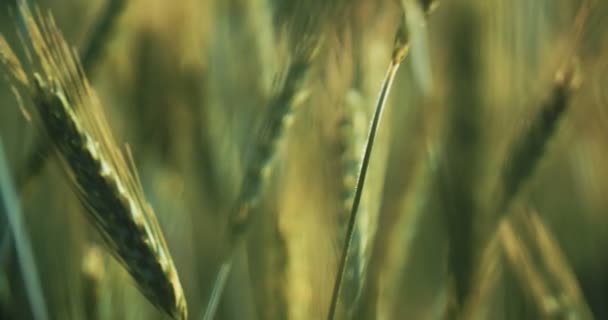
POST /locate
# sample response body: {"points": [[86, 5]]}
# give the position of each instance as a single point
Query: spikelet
{"points": [[278, 115], [67, 108], [527, 151], [351, 137], [280, 108], [529, 148]]}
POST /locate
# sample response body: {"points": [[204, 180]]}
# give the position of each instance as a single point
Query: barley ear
{"points": [[67, 108], [528, 149], [41, 150], [278, 115]]}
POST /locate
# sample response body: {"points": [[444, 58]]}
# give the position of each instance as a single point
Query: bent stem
{"points": [[399, 53], [218, 287]]}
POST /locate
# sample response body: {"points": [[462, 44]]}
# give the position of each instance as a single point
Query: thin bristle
{"points": [[71, 115], [558, 266], [548, 280], [11, 62], [520, 260]]}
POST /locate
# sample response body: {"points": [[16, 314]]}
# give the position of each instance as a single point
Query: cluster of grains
{"points": [[68, 110]]}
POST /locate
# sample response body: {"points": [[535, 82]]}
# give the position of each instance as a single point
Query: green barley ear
{"points": [[529, 148], [304, 37], [66, 107], [280, 109], [304, 40]]}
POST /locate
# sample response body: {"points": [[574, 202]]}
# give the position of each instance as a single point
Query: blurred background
{"points": [[186, 83]]}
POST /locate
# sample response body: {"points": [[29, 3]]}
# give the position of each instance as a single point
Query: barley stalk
{"points": [[485, 280], [557, 265], [539, 263], [101, 33], [521, 261], [400, 50], [218, 289], [68, 110]]}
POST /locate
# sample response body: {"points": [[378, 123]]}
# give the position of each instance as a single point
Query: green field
{"points": [[217, 154]]}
